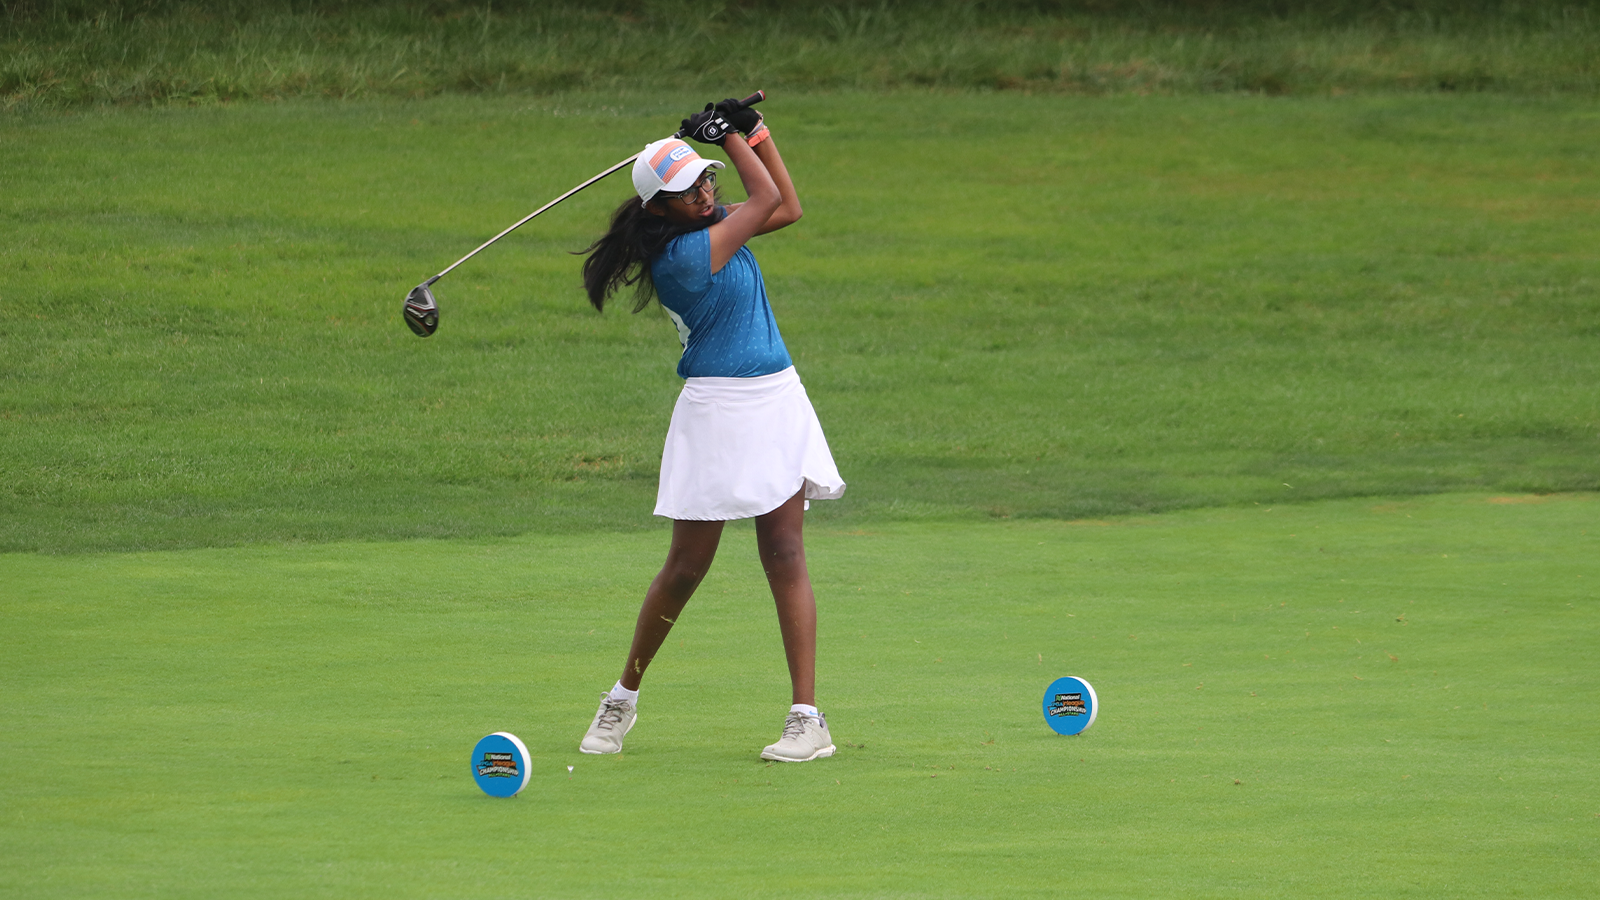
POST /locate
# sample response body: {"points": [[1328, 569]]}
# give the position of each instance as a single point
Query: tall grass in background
{"points": [[66, 54]]}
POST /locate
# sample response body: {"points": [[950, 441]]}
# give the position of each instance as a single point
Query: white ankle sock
{"points": [[621, 693], [808, 710]]}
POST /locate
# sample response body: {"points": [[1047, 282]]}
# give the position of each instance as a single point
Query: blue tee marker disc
{"points": [[500, 764], [1070, 705]]}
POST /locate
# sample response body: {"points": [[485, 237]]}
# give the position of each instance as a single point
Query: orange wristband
{"points": [[762, 133]]}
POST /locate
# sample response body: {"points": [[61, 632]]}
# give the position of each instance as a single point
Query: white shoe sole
{"points": [[820, 754]]}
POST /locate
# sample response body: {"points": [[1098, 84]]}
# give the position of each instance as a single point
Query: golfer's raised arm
{"points": [[751, 217], [789, 211]]}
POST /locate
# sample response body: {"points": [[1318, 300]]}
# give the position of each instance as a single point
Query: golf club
{"points": [[421, 311]]}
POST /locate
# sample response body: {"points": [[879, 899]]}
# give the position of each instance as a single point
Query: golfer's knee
{"points": [[682, 577], [783, 554]]}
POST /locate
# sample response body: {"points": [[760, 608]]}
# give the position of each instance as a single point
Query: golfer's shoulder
{"points": [[686, 258]]}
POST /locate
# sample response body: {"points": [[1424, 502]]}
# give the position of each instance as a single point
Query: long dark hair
{"points": [[621, 257]]}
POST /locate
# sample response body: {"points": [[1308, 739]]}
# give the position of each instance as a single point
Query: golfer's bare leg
{"points": [[783, 556], [694, 545]]}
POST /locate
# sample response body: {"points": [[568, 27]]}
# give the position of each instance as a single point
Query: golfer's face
{"points": [[701, 205]]}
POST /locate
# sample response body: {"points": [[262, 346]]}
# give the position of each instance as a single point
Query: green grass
{"points": [[1361, 698], [328, 556], [56, 53], [1004, 306]]}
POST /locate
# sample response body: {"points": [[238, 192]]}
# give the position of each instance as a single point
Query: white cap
{"points": [[668, 165]]}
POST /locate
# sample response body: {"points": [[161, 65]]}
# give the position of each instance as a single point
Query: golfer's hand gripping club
{"points": [[739, 114], [707, 127], [713, 124], [421, 311]]}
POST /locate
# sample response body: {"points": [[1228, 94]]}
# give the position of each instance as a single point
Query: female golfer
{"points": [[744, 441]]}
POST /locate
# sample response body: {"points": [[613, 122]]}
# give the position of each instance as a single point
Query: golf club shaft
{"points": [[757, 97], [529, 217]]}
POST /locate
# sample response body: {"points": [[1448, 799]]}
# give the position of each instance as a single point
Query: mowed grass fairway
{"points": [[1363, 698], [273, 564], [1002, 305]]}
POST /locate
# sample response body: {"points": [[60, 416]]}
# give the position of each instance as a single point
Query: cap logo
{"points": [[670, 158]]}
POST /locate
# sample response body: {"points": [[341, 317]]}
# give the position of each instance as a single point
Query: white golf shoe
{"points": [[804, 738], [614, 719]]}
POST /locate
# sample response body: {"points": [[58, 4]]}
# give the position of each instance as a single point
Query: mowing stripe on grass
{"points": [[1342, 699], [1001, 305]]}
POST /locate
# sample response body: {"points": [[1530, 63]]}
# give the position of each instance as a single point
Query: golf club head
{"points": [[421, 313]]}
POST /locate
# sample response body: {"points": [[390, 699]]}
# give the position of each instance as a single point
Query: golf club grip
{"points": [[751, 100]]}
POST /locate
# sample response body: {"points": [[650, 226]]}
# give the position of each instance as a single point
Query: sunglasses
{"points": [[707, 181]]}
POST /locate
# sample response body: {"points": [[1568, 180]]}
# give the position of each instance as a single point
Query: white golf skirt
{"points": [[740, 447]]}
